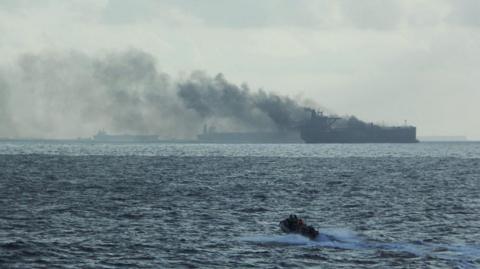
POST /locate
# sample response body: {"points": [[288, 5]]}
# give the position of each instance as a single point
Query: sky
{"points": [[384, 61]]}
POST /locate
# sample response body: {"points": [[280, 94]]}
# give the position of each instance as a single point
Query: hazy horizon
{"points": [[71, 68]]}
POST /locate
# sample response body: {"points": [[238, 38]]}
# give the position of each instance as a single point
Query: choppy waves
{"points": [[208, 211], [462, 256]]}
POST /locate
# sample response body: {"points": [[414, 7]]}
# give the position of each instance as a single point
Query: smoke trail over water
{"points": [[257, 110], [71, 94]]}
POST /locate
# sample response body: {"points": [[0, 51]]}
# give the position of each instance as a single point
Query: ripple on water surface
{"points": [[109, 211]]}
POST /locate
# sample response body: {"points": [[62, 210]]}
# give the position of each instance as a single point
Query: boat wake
{"points": [[462, 255], [334, 238]]}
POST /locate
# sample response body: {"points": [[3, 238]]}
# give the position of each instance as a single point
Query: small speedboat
{"points": [[296, 225]]}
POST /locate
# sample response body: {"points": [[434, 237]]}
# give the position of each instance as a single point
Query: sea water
{"points": [[93, 205]]}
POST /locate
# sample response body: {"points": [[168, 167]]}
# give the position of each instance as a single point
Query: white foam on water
{"points": [[334, 238], [471, 250], [339, 238], [287, 239], [346, 239], [341, 234], [463, 255]]}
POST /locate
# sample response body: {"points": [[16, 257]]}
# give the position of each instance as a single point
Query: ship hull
{"points": [[387, 135]]}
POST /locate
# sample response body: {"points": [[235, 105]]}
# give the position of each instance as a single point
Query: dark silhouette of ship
{"points": [[324, 129], [318, 128]]}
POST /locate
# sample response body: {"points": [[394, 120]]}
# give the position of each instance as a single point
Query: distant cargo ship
{"points": [[102, 136], [322, 129]]}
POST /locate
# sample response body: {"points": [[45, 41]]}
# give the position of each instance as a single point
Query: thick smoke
{"points": [[61, 95], [217, 98]]}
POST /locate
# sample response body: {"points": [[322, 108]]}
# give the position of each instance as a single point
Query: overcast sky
{"points": [[381, 60]]}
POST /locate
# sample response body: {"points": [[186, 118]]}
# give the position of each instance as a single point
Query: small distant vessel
{"points": [[102, 136], [296, 225]]}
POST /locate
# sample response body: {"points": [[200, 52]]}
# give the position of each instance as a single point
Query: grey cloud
{"points": [[233, 14], [268, 13], [128, 11], [465, 12], [15, 4], [371, 14]]}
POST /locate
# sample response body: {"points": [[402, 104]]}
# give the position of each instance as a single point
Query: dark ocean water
{"points": [[80, 205]]}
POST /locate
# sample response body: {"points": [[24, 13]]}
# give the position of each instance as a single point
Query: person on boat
{"points": [[293, 224]]}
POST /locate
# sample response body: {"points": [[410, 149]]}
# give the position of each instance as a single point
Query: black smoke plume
{"points": [[217, 98], [64, 95]]}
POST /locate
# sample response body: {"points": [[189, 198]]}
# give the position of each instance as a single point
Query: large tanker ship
{"points": [[324, 129]]}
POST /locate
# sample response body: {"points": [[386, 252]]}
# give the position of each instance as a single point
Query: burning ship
{"points": [[324, 129], [318, 128]]}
